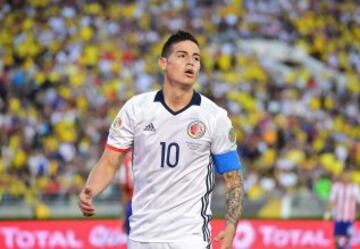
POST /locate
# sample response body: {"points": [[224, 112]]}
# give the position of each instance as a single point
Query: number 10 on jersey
{"points": [[168, 152]]}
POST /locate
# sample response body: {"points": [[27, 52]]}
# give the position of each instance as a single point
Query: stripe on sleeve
{"points": [[205, 201], [117, 149]]}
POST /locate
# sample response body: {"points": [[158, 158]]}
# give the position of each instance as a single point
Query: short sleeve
{"points": [[223, 146], [223, 139], [121, 132]]}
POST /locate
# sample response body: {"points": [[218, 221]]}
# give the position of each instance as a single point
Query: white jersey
{"points": [[172, 164], [345, 198]]}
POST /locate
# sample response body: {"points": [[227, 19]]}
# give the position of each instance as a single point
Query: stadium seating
{"points": [[287, 71]]}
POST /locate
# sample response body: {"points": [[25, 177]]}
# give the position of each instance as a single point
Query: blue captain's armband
{"points": [[227, 162]]}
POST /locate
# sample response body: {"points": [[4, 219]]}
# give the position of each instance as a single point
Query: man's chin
{"points": [[187, 84], [188, 81]]}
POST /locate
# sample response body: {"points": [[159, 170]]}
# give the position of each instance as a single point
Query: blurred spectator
{"points": [[344, 198]]}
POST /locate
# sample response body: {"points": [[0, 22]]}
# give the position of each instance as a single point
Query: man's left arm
{"points": [[234, 198], [227, 163], [234, 195]]}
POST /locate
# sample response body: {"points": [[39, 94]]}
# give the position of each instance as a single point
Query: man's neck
{"points": [[177, 98]]}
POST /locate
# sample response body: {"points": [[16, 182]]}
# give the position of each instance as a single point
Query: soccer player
{"points": [[343, 198], [179, 138]]}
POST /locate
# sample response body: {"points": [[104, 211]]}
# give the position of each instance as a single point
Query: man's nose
{"points": [[190, 61]]}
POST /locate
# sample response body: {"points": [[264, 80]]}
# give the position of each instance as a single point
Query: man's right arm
{"points": [[99, 178]]}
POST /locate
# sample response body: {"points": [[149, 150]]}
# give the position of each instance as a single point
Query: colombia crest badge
{"points": [[196, 129]]}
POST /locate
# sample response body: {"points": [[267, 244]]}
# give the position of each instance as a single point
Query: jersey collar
{"points": [[195, 100]]}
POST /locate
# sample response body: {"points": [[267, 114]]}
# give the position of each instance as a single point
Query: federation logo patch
{"points": [[232, 135], [117, 122], [196, 129]]}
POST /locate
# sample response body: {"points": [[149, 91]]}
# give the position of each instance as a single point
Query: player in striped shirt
{"points": [[343, 198], [179, 139]]}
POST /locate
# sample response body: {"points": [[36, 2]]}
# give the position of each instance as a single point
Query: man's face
{"points": [[183, 64]]}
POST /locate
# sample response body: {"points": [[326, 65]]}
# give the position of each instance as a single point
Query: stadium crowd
{"points": [[66, 67]]}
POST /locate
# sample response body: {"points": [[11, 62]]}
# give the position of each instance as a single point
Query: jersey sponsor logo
{"points": [[196, 129], [150, 127], [193, 146], [117, 122]]}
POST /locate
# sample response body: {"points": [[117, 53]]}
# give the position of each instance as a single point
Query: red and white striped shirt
{"points": [[344, 198]]}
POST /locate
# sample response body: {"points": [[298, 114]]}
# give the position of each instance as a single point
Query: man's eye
{"points": [[197, 58], [181, 56]]}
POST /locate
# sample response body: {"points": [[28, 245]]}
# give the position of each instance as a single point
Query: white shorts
{"points": [[171, 245]]}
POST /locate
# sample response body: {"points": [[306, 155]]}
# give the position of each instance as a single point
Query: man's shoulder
{"points": [[139, 101], [211, 106], [143, 98]]}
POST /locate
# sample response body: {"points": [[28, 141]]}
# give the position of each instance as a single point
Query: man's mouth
{"points": [[189, 72]]}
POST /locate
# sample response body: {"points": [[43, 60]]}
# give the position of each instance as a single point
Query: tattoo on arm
{"points": [[234, 194]]}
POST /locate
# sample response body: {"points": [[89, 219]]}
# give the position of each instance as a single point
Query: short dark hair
{"points": [[179, 36]]}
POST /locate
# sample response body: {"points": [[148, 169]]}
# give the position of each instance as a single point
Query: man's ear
{"points": [[162, 63]]}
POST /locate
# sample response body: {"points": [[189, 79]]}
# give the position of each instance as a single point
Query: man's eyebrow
{"points": [[183, 51]]}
